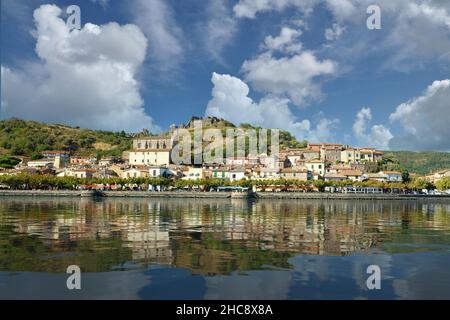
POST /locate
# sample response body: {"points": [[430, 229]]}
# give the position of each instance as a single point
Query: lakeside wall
{"points": [[220, 195]]}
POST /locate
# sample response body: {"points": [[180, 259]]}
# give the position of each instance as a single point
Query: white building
{"points": [[41, 163], [392, 176], [194, 174], [384, 176], [157, 171], [236, 174]]}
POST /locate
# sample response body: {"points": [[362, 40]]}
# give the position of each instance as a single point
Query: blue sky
{"points": [[310, 67]]}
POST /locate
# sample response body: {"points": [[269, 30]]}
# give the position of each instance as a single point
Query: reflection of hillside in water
{"points": [[211, 237]]}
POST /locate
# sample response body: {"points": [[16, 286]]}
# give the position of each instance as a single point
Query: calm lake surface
{"points": [[223, 249]]}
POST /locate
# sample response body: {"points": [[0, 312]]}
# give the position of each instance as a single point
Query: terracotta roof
{"points": [[293, 170], [351, 172], [315, 161], [84, 170], [334, 175], [375, 175], [339, 167]]}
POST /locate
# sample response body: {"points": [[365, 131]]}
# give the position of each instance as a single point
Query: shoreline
{"points": [[219, 195]]}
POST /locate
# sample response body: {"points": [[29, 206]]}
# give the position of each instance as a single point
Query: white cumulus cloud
{"points": [[292, 76], [425, 119], [230, 100], [377, 136], [85, 77]]}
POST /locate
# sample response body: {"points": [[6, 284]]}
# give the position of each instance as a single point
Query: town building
{"points": [[350, 155], [233, 174], [384, 176], [82, 161], [236, 174], [348, 174], [151, 151], [194, 173], [158, 172], [296, 174], [392, 176], [65, 155], [263, 173], [136, 172], [316, 166], [436, 176], [270, 161], [370, 155], [41, 163], [106, 162], [82, 173], [300, 155]]}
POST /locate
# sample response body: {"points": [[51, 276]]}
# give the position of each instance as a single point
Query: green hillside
{"points": [[418, 162], [29, 138]]}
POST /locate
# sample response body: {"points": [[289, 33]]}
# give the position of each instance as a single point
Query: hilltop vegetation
{"points": [[286, 139], [30, 138], [417, 162]]}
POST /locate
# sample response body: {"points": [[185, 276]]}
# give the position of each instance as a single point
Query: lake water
{"points": [[223, 249]]}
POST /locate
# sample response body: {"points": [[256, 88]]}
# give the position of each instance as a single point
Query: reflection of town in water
{"points": [[205, 236]]}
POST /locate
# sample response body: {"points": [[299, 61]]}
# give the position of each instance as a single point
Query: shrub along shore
{"points": [[42, 182]]}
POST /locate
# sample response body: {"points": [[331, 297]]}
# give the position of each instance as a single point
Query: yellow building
{"points": [[351, 155], [371, 155]]}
